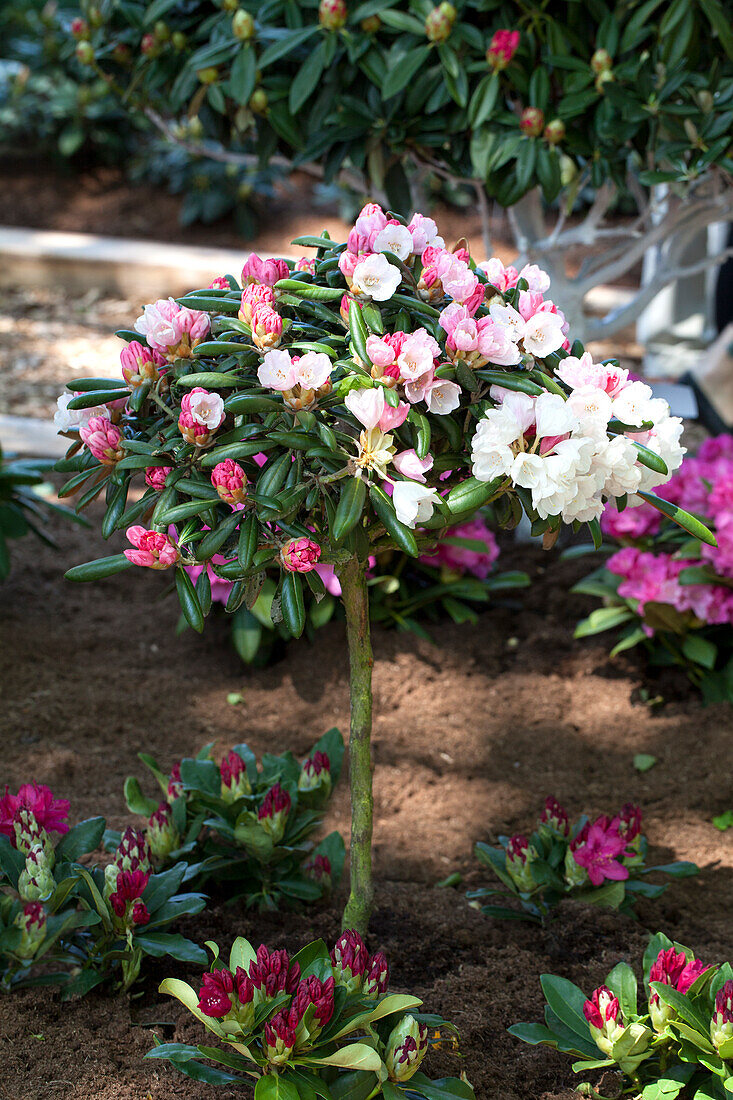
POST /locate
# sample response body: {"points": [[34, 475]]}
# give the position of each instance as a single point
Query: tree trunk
{"points": [[354, 592]]}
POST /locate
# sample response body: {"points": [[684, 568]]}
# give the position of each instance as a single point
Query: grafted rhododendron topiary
{"points": [[601, 862], [247, 827], [318, 1024], [667, 591], [395, 388], [91, 923], [670, 1037]]}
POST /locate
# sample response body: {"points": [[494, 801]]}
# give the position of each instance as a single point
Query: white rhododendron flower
{"points": [[376, 278], [207, 409], [313, 370], [633, 405], [543, 334], [66, 419], [394, 238], [413, 503], [366, 405], [424, 233], [443, 397], [277, 371]]}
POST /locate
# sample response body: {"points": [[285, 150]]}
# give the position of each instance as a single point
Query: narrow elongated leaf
{"points": [[189, 601]]}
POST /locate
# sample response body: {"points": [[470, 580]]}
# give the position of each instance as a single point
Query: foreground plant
{"points": [[667, 591], [247, 827], [394, 388], [671, 1037], [319, 1024], [94, 923], [601, 862]]}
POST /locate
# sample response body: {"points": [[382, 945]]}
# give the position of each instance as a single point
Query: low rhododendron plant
{"points": [[601, 862], [320, 1024], [245, 826], [394, 388], [671, 1037], [94, 923], [666, 590]]}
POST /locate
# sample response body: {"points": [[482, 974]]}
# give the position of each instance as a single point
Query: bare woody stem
{"points": [[354, 593]]}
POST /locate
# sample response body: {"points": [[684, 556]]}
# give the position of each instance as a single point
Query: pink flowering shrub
{"points": [[601, 862], [670, 1036], [317, 1018], [83, 919], [670, 593], [231, 820]]}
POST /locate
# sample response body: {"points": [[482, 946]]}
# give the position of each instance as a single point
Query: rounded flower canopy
{"points": [[370, 397]]}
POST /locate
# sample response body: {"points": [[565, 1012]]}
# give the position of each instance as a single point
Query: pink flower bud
{"points": [[32, 924], [273, 813], [234, 781], [267, 327], [555, 817], [172, 329], [153, 549], [125, 901], [502, 48], [272, 973], [269, 272], [721, 1025], [630, 821], [532, 121], [219, 283], [406, 1047], [439, 22], [300, 555], [350, 961], [602, 1009], [254, 295], [79, 28], [394, 416], [230, 481], [332, 14], [139, 913], [141, 364], [318, 869], [155, 477], [103, 439], [305, 264], [376, 976]]}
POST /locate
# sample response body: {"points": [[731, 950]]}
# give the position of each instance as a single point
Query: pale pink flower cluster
{"points": [[562, 450], [411, 359], [300, 378], [201, 414], [653, 578], [171, 329]]}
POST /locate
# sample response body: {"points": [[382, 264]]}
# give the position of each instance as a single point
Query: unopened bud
{"points": [[209, 75], [555, 131], [258, 101], [439, 22], [162, 834], [532, 121], [371, 24], [36, 881], [243, 25], [406, 1047], [32, 924], [601, 61], [315, 774], [179, 41], [84, 53], [332, 14]]}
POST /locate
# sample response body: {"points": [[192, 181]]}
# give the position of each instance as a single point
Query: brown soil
{"points": [[470, 736]]}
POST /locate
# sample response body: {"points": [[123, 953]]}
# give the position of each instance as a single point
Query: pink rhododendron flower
{"points": [[599, 852], [153, 549], [602, 1008], [103, 439], [267, 327], [201, 414], [141, 364], [503, 278], [171, 329], [304, 263], [155, 477], [672, 968], [230, 481], [424, 232], [50, 813], [219, 283], [408, 464], [215, 994], [220, 588], [253, 296], [300, 555], [267, 272]]}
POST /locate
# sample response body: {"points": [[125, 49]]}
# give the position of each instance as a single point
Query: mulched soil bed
{"points": [[470, 735]]}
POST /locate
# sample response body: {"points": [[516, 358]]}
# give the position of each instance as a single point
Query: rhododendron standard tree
{"points": [[370, 398]]}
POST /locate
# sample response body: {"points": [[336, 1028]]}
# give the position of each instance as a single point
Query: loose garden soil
{"points": [[470, 736]]}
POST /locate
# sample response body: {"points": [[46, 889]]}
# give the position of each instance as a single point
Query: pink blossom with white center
{"points": [[313, 370], [459, 282], [413, 503], [538, 281], [268, 272], [576, 372], [207, 409], [366, 405], [418, 390], [376, 278], [503, 278], [408, 464], [395, 238], [277, 371], [443, 397], [153, 550], [424, 232], [103, 439], [172, 329], [543, 334], [418, 353]]}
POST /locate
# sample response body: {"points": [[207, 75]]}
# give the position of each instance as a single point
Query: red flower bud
{"points": [[532, 121], [502, 48]]}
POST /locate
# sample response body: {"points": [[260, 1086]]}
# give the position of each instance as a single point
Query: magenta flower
{"points": [[672, 968], [155, 477], [141, 364], [230, 481], [502, 48], [300, 555], [600, 850], [50, 813], [254, 295]]}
